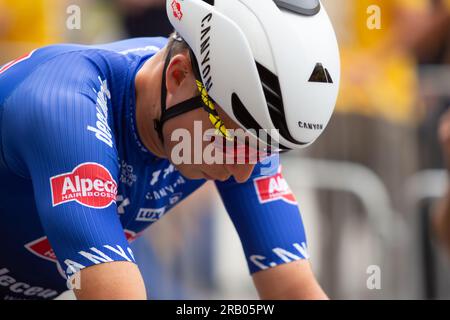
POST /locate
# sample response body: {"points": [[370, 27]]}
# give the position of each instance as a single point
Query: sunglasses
{"points": [[210, 107], [231, 147]]}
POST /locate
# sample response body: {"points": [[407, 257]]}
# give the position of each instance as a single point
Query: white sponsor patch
{"points": [[150, 215], [102, 130]]}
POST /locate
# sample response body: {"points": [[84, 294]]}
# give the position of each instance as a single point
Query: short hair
{"points": [[177, 43]]}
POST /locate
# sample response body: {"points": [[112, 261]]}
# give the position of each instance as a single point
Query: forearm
{"points": [[111, 281], [293, 290], [292, 281]]}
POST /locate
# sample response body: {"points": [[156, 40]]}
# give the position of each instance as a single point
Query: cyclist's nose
{"points": [[240, 172]]}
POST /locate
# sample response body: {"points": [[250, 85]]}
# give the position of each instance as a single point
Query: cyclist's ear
{"points": [[179, 75]]}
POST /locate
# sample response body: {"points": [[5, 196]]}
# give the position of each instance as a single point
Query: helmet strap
{"points": [[176, 110]]}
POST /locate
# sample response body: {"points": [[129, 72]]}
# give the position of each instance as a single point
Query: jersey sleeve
{"points": [[266, 216], [59, 123]]}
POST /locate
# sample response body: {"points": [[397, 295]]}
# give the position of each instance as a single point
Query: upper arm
{"points": [[73, 168]]}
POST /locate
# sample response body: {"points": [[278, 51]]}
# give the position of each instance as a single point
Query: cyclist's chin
{"points": [[198, 172], [191, 172]]}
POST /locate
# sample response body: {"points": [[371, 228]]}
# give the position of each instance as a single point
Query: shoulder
{"points": [[60, 114], [137, 46], [62, 92]]}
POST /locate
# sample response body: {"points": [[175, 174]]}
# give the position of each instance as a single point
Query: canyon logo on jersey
{"points": [[89, 184], [274, 188]]}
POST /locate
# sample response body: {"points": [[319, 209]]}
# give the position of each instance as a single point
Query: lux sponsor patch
{"points": [[273, 188], [90, 184], [150, 215]]}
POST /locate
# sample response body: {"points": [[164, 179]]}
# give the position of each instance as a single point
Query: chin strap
{"points": [[176, 110]]}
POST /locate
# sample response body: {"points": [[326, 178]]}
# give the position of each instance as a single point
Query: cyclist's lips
{"points": [[241, 154]]}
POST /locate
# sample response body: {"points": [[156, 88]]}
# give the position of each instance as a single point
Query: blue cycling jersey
{"points": [[77, 184]]}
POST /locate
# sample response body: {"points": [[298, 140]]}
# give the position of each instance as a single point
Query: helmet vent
{"points": [[246, 119], [304, 7], [272, 92], [210, 2], [242, 115], [320, 74]]}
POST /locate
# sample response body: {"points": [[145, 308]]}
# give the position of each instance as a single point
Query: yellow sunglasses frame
{"points": [[213, 116]]}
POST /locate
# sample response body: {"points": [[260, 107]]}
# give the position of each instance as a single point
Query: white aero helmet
{"points": [[269, 64]]}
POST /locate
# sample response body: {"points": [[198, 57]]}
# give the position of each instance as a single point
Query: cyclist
{"points": [[90, 138]]}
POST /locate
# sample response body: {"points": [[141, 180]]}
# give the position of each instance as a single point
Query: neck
{"points": [[148, 102]]}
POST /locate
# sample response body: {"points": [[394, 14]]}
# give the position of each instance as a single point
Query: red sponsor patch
{"points": [[176, 8], [42, 248], [131, 235], [274, 188], [16, 61], [89, 184]]}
